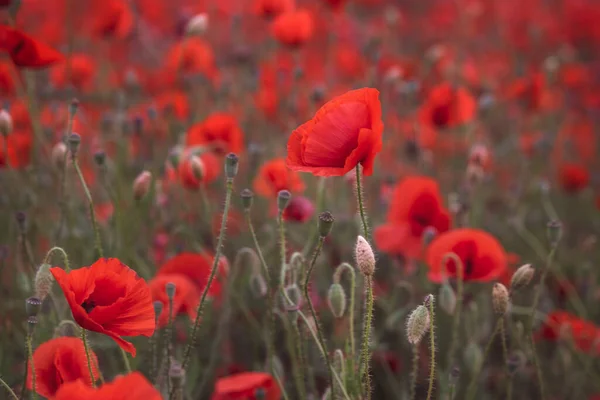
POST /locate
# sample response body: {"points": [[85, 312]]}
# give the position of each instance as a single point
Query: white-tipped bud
{"points": [[6, 123], [198, 168], [141, 185], [197, 25], [365, 258], [417, 324], [522, 277], [58, 154]]}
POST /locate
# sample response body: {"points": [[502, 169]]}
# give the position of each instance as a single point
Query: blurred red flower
{"points": [[79, 71], [129, 387], [202, 170], [447, 107], [272, 8], [58, 362], [247, 386], [109, 297], [185, 300], [415, 206], [344, 132], [563, 325], [112, 18], [274, 176], [220, 130], [293, 28], [19, 145], [482, 256], [573, 177], [26, 51], [300, 209], [196, 267]]}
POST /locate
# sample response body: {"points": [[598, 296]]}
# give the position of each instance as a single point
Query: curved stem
{"points": [[472, 388], [8, 389], [337, 278], [414, 372], [365, 353], [88, 195], [62, 252], [314, 313], [33, 374], [459, 303], [87, 356], [361, 207], [432, 349]]}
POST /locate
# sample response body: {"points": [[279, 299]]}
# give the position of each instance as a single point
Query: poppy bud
{"points": [[43, 281], [6, 123], [175, 157], [447, 298], [325, 223], [58, 154], [500, 299], [295, 295], [73, 107], [67, 328], [247, 196], [158, 308], [141, 185], [31, 323], [32, 306], [258, 286], [474, 174], [365, 258], [197, 25], [339, 363], [100, 158], [554, 232], [198, 168], [473, 357], [417, 324], [522, 277], [74, 141], [336, 300], [231, 165], [283, 199], [170, 288]]}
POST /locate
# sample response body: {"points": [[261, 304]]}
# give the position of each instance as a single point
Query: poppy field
{"points": [[299, 199]]}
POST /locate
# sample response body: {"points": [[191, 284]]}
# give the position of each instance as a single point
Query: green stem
{"points": [[365, 353], [8, 389], [213, 272], [314, 233], [432, 349], [361, 207], [300, 358], [472, 388], [24, 387], [87, 356], [337, 278], [502, 334], [414, 372], [33, 374], [168, 340], [459, 303], [282, 244], [314, 313], [88, 195]]}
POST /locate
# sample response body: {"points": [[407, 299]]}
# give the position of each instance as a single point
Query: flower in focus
{"points": [[196, 267], [58, 362], [415, 206], [346, 131], [247, 386], [185, 300], [110, 298], [274, 176], [133, 386]]}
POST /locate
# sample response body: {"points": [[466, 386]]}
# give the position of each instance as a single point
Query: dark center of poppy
{"points": [[88, 305], [468, 267], [441, 116]]}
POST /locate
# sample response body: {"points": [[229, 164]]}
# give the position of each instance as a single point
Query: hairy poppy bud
{"points": [[336, 300], [473, 357], [43, 281], [58, 155], [258, 286], [325, 223], [283, 199], [74, 141], [6, 123], [197, 25], [522, 277], [32, 306], [365, 258], [198, 168], [231, 165], [554, 232], [500, 299], [141, 185], [295, 295], [247, 197], [447, 298], [417, 324]]}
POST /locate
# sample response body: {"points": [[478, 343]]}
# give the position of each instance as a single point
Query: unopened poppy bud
{"points": [[43, 281], [554, 232], [6, 123], [325, 224], [141, 185], [447, 298], [73, 107], [100, 158], [428, 300], [500, 299], [283, 199], [197, 25], [336, 300], [417, 324], [66, 327], [231, 165], [32, 306], [170, 288], [474, 174], [515, 362], [365, 258], [158, 308], [74, 141], [247, 198], [198, 168], [175, 157], [339, 363], [522, 277], [258, 286], [473, 357], [31, 323], [58, 154], [294, 293]]}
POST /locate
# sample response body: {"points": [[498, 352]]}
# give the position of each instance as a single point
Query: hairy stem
{"points": [[431, 349], [8, 389], [459, 304], [87, 356], [361, 206], [414, 372], [62, 252], [365, 353]]}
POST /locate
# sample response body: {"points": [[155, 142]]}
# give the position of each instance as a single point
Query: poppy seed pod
{"points": [[73, 107], [31, 323], [326, 220], [170, 288], [158, 308], [500, 299], [365, 258], [32, 306], [100, 158], [283, 199], [336, 300], [74, 141], [522, 277], [417, 324], [6, 123], [141, 185], [231, 165], [247, 197], [43, 281]]}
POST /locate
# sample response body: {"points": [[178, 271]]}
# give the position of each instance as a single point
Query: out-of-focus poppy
{"points": [[247, 386], [272, 8], [112, 18], [19, 145], [573, 177], [482, 256], [416, 206], [58, 362], [109, 297], [220, 130], [563, 325], [274, 176], [344, 132], [197, 268], [129, 387], [79, 71], [26, 51], [293, 28], [447, 107], [195, 171], [299, 209], [191, 56], [185, 300]]}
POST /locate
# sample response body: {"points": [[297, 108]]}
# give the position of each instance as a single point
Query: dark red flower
{"points": [[563, 325], [416, 206], [196, 267], [58, 362], [26, 51], [247, 386], [129, 387], [185, 300], [109, 297], [299, 209], [573, 177], [275, 176], [219, 130], [272, 8], [293, 28], [447, 107]]}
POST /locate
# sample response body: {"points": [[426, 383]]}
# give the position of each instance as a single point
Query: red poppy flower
{"points": [[482, 256], [19, 150], [185, 300], [344, 132], [563, 325], [191, 56], [293, 28], [247, 386], [274, 176], [416, 205], [110, 298], [112, 18], [79, 71], [573, 177], [300, 209], [447, 107], [196, 267], [199, 170], [26, 51], [129, 387], [59, 361], [272, 8], [220, 130]]}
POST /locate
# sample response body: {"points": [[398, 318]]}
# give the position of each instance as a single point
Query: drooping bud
{"points": [[231, 165], [198, 168], [283, 199], [247, 197], [500, 299], [74, 141], [43, 281], [336, 300], [197, 25], [6, 123], [58, 155], [326, 220], [447, 298], [295, 295], [417, 324], [522, 277], [32, 306], [473, 357], [141, 185], [554, 232], [258, 285], [365, 258]]}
